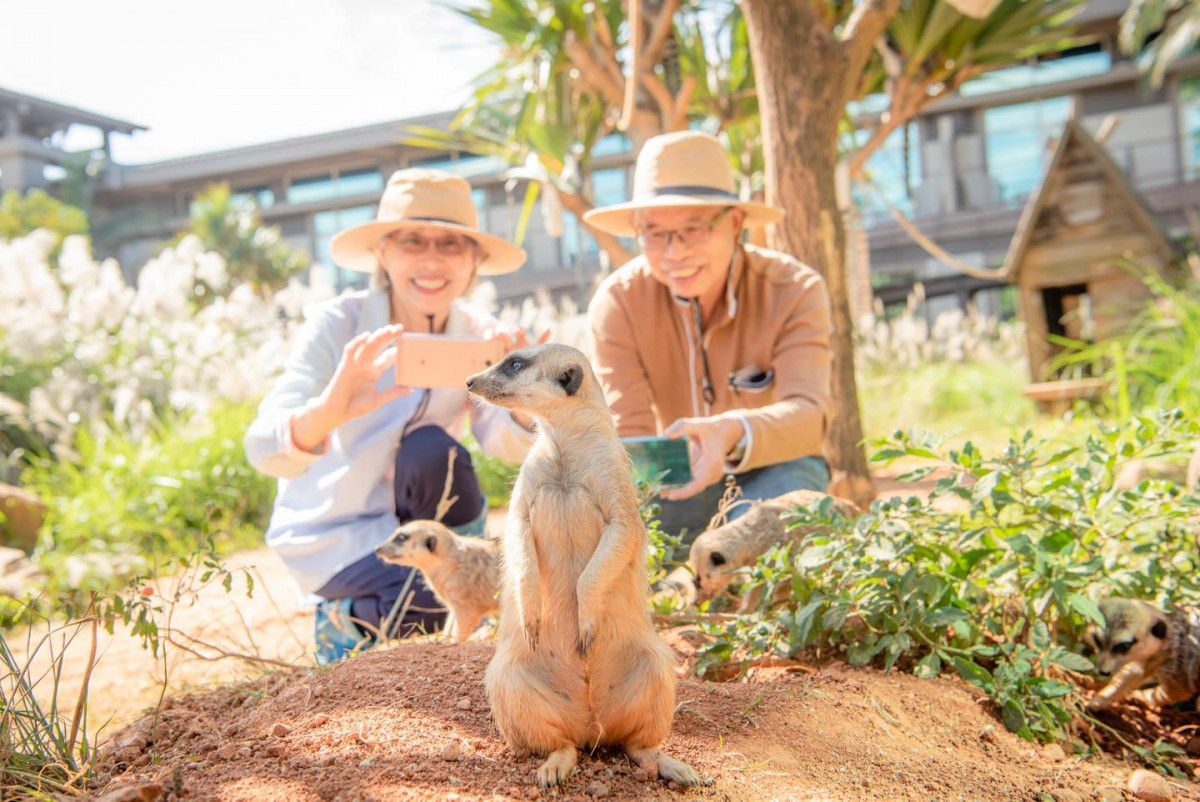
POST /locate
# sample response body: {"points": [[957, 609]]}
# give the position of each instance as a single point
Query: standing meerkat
{"points": [[462, 571], [577, 663], [1140, 642]]}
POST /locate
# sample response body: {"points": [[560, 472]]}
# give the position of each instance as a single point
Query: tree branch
{"points": [[867, 23], [658, 34], [662, 96], [635, 66], [592, 74], [677, 121], [612, 246]]}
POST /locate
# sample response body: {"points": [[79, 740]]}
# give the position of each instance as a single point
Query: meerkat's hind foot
{"points": [[558, 767], [656, 763]]}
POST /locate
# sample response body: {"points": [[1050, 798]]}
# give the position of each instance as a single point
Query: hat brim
{"points": [[618, 219], [354, 249]]}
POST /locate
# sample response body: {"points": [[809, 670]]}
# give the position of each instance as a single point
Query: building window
{"points": [[611, 145], [893, 176], [1189, 96], [311, 189], [325, 226], [1016, 144], [263, 197], [1069, 66]]}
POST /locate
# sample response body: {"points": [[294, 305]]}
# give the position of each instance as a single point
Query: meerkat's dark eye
{"points": [[514, 366], [1123, 647]]}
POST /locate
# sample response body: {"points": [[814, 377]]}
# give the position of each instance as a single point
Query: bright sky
{"points": [[222, 73]]}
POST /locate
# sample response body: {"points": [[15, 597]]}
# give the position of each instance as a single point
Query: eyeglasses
{"points": [[451, 245], [686, 236]]}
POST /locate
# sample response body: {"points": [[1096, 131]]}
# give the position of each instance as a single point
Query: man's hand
{"points": [[710, 440]]}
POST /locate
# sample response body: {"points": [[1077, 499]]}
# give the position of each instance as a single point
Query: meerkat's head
{"points": [[1134, 631], [543, 380], [416, 544], [710, 562]]}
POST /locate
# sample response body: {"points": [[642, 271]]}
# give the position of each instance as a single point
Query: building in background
{"points": [[962, 172]]}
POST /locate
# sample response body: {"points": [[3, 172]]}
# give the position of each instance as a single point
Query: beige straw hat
{"points": [[685, 168], [419, 197]]}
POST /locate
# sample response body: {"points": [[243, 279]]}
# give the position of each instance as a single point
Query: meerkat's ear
{"points": [[431, 544], [1159, 630], [717, 559], [570, 379]]}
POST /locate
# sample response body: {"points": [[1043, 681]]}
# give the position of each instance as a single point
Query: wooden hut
{"points": [[1069, 258]]}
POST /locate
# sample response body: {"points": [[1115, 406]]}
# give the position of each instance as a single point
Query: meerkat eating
{"points": [[577, 663], [461, 571], [1140, 642], [718, 553]]}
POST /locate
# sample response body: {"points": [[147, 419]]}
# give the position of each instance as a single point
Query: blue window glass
{"points": [[311, 188], [325, 187], [262, 197], [1016, 144], [325, 226], [1190, 96], [893, 174], [1041, 73], [358, 182], [612, 145]]}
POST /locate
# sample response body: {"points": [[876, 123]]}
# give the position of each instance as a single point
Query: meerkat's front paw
{"points": [[587, 635], [1099, 702]]}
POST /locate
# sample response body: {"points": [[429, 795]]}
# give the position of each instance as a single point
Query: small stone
{"points": [[1065, 795], [244, 753], [274, 750], [1054, 752], [133, 793], [641, 775], [597, 790], [365, 764], [328, 760], [280, 730], [988, 735], [1148, 786], [464, 703], [319, 720], [1108, 793], [452, 751]]}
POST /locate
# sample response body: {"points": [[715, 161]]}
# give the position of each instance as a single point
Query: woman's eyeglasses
{"points": [[659, 240], [451, 245]]}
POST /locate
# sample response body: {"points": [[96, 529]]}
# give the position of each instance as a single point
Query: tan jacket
{"points": [[775, 317]]}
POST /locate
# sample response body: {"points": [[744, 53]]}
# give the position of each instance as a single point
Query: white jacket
{"points": [[335, 507]]}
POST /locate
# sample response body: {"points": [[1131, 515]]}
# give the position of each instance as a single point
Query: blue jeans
{"points": [[368, 589], [694, 514]]}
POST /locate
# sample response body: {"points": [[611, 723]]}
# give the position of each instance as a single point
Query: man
{"points": [[707, 338]]}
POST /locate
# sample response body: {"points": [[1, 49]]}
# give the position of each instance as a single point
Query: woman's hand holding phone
{"points": [[353, 390]]}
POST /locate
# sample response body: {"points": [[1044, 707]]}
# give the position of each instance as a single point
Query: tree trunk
{"points": [[801, 72]]}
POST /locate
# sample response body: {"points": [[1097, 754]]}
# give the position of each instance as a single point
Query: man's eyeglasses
{"points": [[698, 234], [451, 245]]}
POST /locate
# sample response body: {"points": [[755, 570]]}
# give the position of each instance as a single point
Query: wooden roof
{"points": [[1077, 153]]}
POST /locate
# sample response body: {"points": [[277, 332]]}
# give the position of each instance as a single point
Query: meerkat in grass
{"points": [[462, 572], [578, 662], [1140, 642]]}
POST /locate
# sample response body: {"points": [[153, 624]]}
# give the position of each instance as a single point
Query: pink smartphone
{"points": [[443, 361]]}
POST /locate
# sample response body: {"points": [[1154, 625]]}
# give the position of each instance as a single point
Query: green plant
{"points": [[44, 748], [995, 575], [496, 477], [1153, 364], [234, 229], [126, 505], [21, 215]]}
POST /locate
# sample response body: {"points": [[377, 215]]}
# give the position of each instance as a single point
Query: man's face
{"points": [[693, 261]]}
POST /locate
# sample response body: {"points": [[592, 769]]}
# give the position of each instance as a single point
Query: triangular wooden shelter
{"points": [[1070, 256]]}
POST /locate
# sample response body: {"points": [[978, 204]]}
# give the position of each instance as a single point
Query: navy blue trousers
{"points": [[420, 478]]}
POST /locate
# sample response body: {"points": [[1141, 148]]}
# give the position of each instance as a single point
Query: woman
{"points": [[355, 454]]}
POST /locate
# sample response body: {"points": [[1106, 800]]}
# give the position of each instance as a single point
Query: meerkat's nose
{"points": [[471, 383]]}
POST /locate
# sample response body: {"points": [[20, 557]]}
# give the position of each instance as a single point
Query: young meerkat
{"points": [[578, 662], [718, 553], [461, 571], [1140, 642]]}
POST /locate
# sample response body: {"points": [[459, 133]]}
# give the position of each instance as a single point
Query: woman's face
{"points": [[428, 267]]}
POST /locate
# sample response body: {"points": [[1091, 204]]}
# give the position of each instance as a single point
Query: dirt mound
{"points": [[412, 722]]}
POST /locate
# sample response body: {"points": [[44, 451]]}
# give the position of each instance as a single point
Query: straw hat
{"points": [[686, 168], [415, 198]]}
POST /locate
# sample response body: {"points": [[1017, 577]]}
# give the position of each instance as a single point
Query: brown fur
{"points": [[578, 662], [461, 571], [719, 552], [1140, 643]]}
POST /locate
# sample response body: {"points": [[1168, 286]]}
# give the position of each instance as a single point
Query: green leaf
{"points": [[1071, 661], [929, 667], [944, 616], [1086, 608], [974, 674], [1014, 717]]}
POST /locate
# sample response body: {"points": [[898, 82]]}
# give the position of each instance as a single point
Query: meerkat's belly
{"points": [[566, 526]]}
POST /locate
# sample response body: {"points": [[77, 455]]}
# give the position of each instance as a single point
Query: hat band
{"points": [[684, 190], [438, 220]]}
